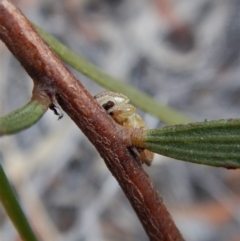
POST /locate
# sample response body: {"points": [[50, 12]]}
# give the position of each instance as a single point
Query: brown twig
{"points": [[52, 77]]}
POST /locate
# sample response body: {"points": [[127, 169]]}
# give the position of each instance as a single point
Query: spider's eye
{"points": [[108, 105]]}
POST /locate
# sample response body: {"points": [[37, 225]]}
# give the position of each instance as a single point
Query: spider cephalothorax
{"points": [[117, 105]]}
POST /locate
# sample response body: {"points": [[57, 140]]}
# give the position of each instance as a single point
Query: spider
{"points": [[117, 105]]}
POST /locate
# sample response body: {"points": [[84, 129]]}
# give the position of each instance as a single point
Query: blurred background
{"points": [[183, 53]]}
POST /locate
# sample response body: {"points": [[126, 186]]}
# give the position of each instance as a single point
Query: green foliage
{"points": [[22, 118], [13, 209], [214, 143]]}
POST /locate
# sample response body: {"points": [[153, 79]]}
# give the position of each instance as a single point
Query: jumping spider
{"points": [[117, 105]]}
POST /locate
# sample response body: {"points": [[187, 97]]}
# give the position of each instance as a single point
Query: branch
{"points": [[52, 77]]}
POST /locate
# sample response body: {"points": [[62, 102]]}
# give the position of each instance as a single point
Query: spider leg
{"points": [[135, 153]]}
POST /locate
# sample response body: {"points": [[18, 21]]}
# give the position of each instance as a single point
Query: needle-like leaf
{"points": [[12, 207], [138, 98], [214, 143], [22, 118]]}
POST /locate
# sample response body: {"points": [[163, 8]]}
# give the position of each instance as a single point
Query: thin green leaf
{"points": [[138, 98], [13, 209], [214, 143], [22, 118]]}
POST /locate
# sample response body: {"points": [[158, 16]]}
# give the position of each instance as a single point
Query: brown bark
{"points": [[54, 78]]}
